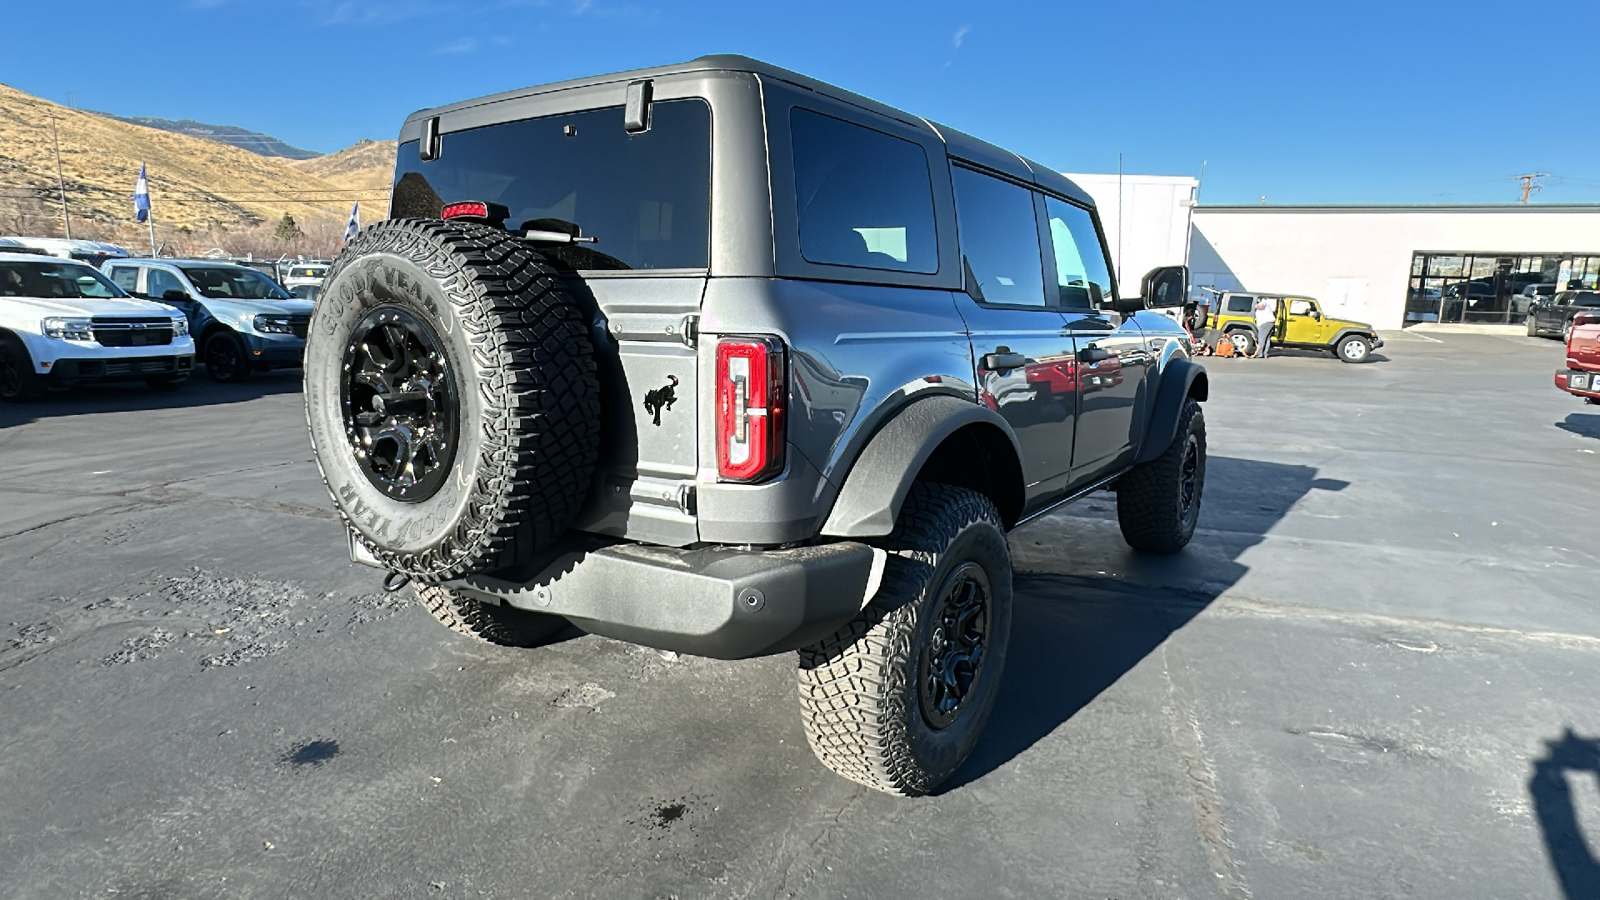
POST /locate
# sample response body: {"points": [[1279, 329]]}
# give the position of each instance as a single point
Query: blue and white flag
{"points": [[351, 229], [141, 197]]}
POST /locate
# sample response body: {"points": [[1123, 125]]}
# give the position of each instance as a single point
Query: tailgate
{"points": [[644, 484]]}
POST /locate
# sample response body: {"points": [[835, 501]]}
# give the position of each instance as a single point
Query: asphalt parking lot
{"points": [[1372, 675]]}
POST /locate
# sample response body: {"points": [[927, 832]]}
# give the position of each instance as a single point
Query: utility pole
{"points": [[61, 182], [1528, 186]]}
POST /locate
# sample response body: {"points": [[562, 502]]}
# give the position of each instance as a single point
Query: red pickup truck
{"points": [[1581, 377]]}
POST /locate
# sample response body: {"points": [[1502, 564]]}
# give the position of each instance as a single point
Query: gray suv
{"points": [[720, 359]]}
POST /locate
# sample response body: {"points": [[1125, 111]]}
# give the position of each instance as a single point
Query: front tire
{"points": [[1533, 330], [1354, 349], [1158, 502], [505, 626], [227, 358], [19, 383], [897, 698]]}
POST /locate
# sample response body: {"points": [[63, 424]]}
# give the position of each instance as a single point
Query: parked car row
{"points": [[64, 322], [1554, 317]]}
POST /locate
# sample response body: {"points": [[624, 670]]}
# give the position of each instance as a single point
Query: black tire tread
{"points": [[1147, 497], [502, 626], [853, 691], [536, 377], [33, 386]]}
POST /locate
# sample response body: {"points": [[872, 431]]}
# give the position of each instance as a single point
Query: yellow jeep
{"points": [[1301, 326]]}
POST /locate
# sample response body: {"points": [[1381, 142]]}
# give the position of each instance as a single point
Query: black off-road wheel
{"points": [[226, 357], [506, 626], [897, 698], [451, 397], [1158, 502], [19, 383]]}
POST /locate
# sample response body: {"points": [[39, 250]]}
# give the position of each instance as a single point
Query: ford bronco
{"points": [[720, 359]]}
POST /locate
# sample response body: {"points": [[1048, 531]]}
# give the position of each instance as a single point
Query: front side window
{"points": [[158, 282], [999, 239], [54, 279], [1080, 258], [864, 198], [1299, 307], [645, 197], [238, 283]]}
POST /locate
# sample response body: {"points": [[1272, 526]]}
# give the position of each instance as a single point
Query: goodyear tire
{"points": [[897, 698], [1158, 502], [451, 397]]}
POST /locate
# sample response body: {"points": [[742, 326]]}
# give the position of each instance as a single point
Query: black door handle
{"points": [[997, 361], [1093, 354]]}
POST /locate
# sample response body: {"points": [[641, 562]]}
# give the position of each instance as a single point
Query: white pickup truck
{"points": [[64, 323]]}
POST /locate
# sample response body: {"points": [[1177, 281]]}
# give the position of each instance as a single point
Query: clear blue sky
{"points": [[1405, 101]]}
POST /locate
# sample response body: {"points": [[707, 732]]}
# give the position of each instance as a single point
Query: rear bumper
{"points": [[121, 368], [713, 601], [1564, 381]]}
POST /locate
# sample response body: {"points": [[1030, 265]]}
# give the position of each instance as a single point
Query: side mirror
{"points": [[1165, 286], [175, 297]]}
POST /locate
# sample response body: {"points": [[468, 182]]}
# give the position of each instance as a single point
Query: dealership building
{"points": [[1392, 266]]}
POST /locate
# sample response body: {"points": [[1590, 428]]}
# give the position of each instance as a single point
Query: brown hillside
{"points": [[194, 183], [368, 166]]}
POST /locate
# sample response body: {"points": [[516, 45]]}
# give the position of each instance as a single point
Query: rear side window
{"points": [[999, 238], [1237, 304], [126, 277], [864, 197], [646, 197]]}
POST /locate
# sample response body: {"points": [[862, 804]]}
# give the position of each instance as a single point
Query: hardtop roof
{"points": [[959, 144]]}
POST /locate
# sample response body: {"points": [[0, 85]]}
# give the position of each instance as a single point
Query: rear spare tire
{"points": [[451, 397]]}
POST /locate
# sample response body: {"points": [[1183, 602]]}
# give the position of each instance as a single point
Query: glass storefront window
{"points": [[1490, 288]]}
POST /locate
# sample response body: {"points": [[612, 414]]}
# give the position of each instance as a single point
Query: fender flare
{"points": [[877, 485], [1179, 380], [1343, 333]]}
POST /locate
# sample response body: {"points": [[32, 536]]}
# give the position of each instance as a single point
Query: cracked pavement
{"points": [[1372, 675]]}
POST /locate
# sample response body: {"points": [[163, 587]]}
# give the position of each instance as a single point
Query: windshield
{"points": [[646, 197], [54, 279], [234, 283]]}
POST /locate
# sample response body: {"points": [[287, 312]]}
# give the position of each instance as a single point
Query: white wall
{"points": [[1358, 260], [1147, 226]]}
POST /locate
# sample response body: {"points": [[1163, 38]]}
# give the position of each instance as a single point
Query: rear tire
{"points": [[897, 698], [1244, 343], [1354, 349], [1158, 502], [227, 358], [506, 626], [19, 383]]}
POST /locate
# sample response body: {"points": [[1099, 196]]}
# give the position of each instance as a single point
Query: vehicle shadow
{"points": [[199, 390], [1074, 635], [1576, 868], [1581, 424]]}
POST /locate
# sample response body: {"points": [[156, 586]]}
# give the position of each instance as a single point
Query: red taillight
{"points": [[751, 392], [471, 209]]}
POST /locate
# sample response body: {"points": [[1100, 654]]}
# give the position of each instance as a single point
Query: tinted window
{"points": [[239, 283], [1586, 300], [1080, 260], [1238, 304], [863, 197], [158, 282], [999, 238], [125, 277], [646, 197], [57, 279]]}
